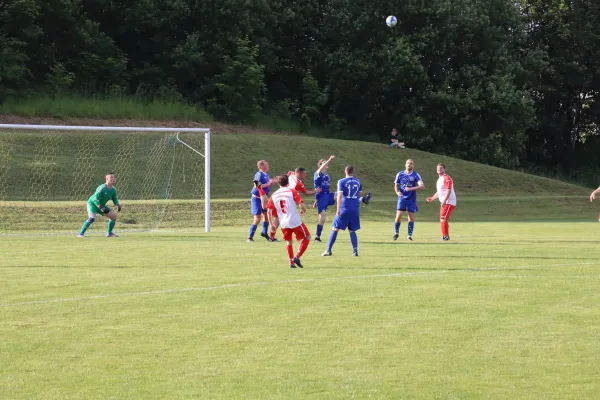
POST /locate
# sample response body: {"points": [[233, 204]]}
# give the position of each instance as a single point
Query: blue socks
{"points": [[332, 238], [354, 241], [396, 227], [252, 231], [411, 227], [319, 230], [265, 228]]}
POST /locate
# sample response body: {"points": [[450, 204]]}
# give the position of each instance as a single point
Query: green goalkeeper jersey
{"points": [[103, 194]]}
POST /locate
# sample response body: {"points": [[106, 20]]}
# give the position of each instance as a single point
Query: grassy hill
{"points": [[68, 166]]}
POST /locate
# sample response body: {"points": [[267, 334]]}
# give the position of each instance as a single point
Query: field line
{"points": [[281, 282]]}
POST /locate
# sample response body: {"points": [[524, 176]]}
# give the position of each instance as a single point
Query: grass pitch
{"points": [[504, 310]]}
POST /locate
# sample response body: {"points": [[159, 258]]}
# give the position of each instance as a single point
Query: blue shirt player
{"points": [[324, 198], [349, 197], [406, 184], [263, 183]]}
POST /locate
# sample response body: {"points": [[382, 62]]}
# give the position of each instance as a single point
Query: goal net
{"points": [[48, 172]]}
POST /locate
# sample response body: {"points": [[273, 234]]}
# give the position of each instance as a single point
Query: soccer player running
{"points": [[283, 205], [593, 197], [349, 196], [97, 205], [445, 193], [262, 185], [406, 185], [295, 178], [324, 198]]}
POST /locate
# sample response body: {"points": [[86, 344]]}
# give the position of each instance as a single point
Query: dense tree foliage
{"points": [[513, 84]]}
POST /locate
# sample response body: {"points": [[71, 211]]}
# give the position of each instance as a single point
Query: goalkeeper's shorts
{"points": [[93, 209]]}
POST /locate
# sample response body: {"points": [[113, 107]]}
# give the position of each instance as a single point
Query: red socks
{"points": [[445, 228], [290, 251], [303, 247]]}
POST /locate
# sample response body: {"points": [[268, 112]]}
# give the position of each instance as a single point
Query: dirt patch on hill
{"points": [[215, 127]]}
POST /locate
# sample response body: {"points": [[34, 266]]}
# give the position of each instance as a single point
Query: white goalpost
{"points": [[161, 178]]}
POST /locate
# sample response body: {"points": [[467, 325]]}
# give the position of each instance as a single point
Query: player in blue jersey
{"points": [[406, 185], [324, 198], [257, 208], [349, 197]]}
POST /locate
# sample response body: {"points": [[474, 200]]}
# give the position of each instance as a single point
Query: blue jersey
{"points": [[263, 178], [323, 181], [350, 188], [405, 180]]}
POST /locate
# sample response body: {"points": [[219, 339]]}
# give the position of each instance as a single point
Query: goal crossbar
{"points": [[88, 128]]}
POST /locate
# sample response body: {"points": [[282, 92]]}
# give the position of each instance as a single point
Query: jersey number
{"points": [[283, 206], [353, 190]]}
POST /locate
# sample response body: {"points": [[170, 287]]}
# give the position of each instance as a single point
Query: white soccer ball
{"points": [[391, 21]]}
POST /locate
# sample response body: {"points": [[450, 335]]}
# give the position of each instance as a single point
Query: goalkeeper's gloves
{"points": [[119, 207], [104, 209]]}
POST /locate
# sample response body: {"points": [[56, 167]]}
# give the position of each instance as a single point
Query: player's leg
{"points": [[263, 205], [274, 226], [322, 204], [302, 235], [287, 237], [256, 211], [400, 209], [339, 222], [445, 212], [411, 225], [265, 225], [366, 199], [412, 210], [112, 221], [92, 210], [353, 226]]}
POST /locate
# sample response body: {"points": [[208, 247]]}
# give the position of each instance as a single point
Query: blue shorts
{"points": [[350, 221], [407, 205], [324, 200], [256, 206]]}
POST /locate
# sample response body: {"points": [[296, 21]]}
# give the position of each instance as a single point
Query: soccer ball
{"points": [[391, 21]]}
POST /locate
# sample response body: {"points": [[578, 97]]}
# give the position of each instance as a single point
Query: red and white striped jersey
{"points": [[284, 201], [295, 183], [444, 183]]}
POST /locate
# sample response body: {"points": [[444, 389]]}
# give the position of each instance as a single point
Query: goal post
{"points": [[159, 171]]}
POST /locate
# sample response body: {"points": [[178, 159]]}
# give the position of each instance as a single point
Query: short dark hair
{"points": [[441, 165], [349, 169], [300, 169], [283, 180]]}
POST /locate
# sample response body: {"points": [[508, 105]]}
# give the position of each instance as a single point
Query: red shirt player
{"points": [[283, 202], [295, 182], [445, 192]]}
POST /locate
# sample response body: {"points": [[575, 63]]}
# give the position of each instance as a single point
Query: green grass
{"points": [[76, 164], [507, 309], [504, 310]]}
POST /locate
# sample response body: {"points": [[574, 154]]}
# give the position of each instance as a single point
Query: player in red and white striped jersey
{"points": [[445, 192], [296, 179], [283, 205]]}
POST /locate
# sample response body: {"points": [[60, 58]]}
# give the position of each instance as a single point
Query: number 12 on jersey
{"points": [[352, 189]]}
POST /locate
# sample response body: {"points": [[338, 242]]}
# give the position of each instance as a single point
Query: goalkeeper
{"points": [[97, 205]]}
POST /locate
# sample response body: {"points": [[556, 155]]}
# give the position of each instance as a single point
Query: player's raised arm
{"points": [[331, 158], [594, 193]]}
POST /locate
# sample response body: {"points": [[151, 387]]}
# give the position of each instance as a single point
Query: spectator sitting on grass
{"points": [[395, 140]]}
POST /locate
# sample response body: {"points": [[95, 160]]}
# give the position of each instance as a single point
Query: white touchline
{"points": [[264, 283]]}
